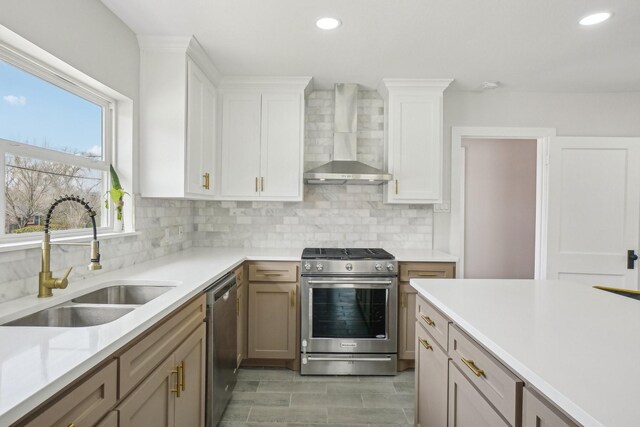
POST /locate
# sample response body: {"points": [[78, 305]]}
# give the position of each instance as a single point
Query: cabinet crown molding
{"points": [[438, 85], [297, 83]]}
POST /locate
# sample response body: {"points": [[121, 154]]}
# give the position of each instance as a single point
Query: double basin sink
{"points": [[97, 307]]}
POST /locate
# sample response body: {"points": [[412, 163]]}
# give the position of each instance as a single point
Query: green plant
{"points": [[116, 192]]}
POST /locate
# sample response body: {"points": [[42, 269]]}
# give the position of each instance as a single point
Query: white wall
{"points": [[572, 114], [83, 33]]}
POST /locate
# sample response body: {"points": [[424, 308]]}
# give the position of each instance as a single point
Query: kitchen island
{"points": [[573, 345]]}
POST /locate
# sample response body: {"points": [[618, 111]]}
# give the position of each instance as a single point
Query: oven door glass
{"points": [[349, 313]]}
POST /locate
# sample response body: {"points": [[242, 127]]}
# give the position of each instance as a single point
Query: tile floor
{"points": [[283, 398]]}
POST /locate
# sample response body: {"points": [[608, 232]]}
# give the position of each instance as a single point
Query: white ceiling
{"points": [[528, 45]]}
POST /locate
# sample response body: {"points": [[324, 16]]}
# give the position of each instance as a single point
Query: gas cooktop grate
{"points": [[346, 253]]}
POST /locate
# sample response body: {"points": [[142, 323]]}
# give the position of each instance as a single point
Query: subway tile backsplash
{"points": [[330, 215]]}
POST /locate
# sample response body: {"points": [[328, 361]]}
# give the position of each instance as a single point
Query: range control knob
{"points": [[319, 267], [349, 267], [378, 266], [307, 266], [390, 267]]}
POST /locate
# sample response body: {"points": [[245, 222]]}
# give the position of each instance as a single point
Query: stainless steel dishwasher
{"points": [[221, 346]]}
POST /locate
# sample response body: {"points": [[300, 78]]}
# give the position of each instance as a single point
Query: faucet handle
{"points": [[62, 283]]}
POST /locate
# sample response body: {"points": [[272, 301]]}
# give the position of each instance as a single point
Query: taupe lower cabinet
{"points": [[157, 380], [407, 295], [467, 407], [537, 412], [173, 395], [273, 307], [432, 373]]}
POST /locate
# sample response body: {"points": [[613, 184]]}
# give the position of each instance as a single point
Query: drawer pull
{"points": [[471, 365], [427, 274], [426, 344], [182, 372], [177, 389], [428, 320], [72, 425]]}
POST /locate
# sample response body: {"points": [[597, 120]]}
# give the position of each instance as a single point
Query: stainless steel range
{"points": [[349, 312]]}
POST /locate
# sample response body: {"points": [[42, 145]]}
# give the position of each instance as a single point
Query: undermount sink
{"points": [[97, 307], [72, 316], [123, 294], [624, 292]]}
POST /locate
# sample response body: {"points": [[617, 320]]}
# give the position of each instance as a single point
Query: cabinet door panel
{"points": [[272, 320], [432, 369], [281, 145], [407, 323], [539, 413], [240, 165], [467, 407], [191, 355], [152, 403]]}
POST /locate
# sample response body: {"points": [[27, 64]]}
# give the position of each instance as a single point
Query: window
{"points": [[55, 140]]}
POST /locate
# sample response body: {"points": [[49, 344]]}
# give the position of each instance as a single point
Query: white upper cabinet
{"points": [[261, 148], [413, 139], [177, 119]]}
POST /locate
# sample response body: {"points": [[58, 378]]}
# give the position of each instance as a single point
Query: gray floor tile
{"points": [[246, 386], [405, 388], [326, 400], [326, 378], [260, 399], [410, 414], [405, 376], [382, 400], [288, 415], [377, 378], [236, 413], [323, 425], [366, 415], [361, 387], [292, 387]]}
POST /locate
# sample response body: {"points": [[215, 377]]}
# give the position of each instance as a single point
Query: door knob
{"points": [[631, 259]]}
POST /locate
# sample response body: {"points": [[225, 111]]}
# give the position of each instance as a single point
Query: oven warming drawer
{"points": [[348, 364]]}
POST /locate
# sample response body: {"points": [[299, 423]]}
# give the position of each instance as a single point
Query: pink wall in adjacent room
{"points": [[500, 208]]}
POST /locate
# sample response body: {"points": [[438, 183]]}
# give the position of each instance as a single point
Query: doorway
{"points": [[507, 183], [499, 208]]}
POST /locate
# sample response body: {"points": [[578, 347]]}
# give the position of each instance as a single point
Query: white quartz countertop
{"points": [[577, 345], [37, 362]]}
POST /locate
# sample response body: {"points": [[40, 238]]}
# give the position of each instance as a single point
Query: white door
{"points": [[240, 158], [594, 210], [281, 146]]}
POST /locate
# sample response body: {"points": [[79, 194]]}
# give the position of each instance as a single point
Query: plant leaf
{"points": [[115, 181]]}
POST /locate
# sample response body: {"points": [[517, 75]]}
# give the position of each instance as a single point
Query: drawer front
{"points": [[538, 412], [239, 272], [499, 386], [427, 270], [140, 360], [273, 272], [85, 404], [434, 322]]}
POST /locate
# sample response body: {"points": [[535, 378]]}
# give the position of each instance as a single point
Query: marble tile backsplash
{"points": [[330, 215], [157, 223]]}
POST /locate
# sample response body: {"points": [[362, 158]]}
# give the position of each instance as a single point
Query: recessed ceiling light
{"points": [[595, 18], [328, 23]]}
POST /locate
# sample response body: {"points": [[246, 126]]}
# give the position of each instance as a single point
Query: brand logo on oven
{"points": [[348, 345]]}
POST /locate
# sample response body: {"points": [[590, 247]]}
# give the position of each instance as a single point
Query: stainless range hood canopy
{"points": [[345, 169]]}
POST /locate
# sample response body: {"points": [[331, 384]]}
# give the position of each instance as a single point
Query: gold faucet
{"points": [[46, 281]]}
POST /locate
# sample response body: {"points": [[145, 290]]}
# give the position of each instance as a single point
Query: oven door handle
{"points": [[349, 282], [348, 359]]}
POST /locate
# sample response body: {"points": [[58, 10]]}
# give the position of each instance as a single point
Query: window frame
{"points": [[64, 81]]}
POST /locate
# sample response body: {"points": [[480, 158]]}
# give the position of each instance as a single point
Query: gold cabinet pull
{"points": [[428, 320], [256, 184], [396, 186], [71, 425], [293, 298], [426, 344], [471, 365], [182, 370], [177, 389], [205, 177], [262, 183], [270, 273], [433, 274]]}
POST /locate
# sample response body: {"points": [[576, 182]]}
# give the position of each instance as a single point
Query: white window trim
{"points": [[51, 69]]}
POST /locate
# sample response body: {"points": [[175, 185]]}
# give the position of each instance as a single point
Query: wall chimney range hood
{"points": [[344, 168]]}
